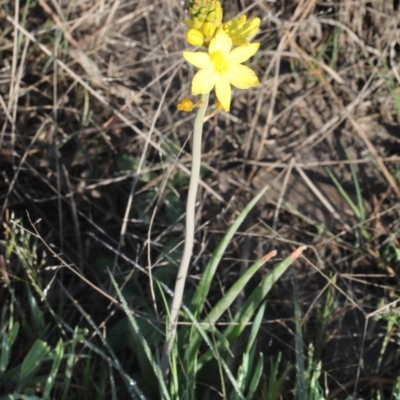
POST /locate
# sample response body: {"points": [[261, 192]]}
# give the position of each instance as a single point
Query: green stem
{"points": [[190, 230]]}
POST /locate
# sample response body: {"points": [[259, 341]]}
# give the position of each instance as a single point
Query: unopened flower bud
{"points": [[209, 29], [185, 105], [218, 12], [198, 22], [202, 12], [194, 37], [211, 16]]}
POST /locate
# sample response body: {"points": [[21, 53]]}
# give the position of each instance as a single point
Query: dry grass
{"points": [[92, 145]]}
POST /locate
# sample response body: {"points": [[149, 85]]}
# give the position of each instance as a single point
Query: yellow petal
{"points": [[252, 27], [223, 92], [242, 53], [241, 77], [221, 42], [234, 25], [240, 31], [218, 12], [204, 81], [199, 60]]}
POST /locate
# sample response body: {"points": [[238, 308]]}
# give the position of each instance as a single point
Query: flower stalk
{"points": [[220, 67], [190, 228]]}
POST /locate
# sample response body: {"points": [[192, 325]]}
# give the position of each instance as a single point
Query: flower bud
{"points": [[218, 13], [209, 29], [185, 105], [215, 13], [194, 37], [198, 22], [211, 16]]}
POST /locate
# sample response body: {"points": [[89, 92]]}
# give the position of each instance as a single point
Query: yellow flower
{"points": [[222, 67], [240, 31]]}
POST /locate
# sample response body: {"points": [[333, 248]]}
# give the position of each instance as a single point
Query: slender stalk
{"points": [[189, 232]]}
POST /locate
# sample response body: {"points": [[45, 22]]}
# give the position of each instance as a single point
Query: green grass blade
{"points": [[6, 345], [249, 307], [233, 293], [246, 368], [300, 376], [112, 384], [256, 376], [274, 383], [356, 185], [253, 301], [214, 351], [70, 364], [200, 295], [110, 357], [142, 341], [343, 193], [256, 327], [13, 333], [223, 305], [51, 378], [39, 324], [5, 352], [357, 188], [33, 360]]}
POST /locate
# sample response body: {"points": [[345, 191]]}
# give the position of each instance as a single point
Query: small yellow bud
{"points": [[198, 22], [185, 105], [194, 37], [209, 29], [215, 13], [203, 11], [218, 12], [211, 16]]}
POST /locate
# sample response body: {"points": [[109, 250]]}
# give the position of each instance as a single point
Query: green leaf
{"points": [[204, 285], [274, 383], [257, 296], [51, 378], [245, 371], [126, 162], [300, 390], [214, 351], [174, 207], [180, 179], [37, 315], [249, 307], [255, 327], [70, 363], [33, 360], [142, 341], [6, 345], [223, 305], [256, 376]]}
